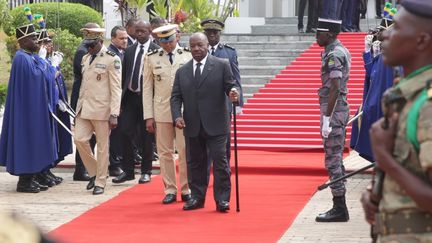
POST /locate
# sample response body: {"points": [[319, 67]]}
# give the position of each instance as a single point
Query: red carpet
{"points": [[274, 187], [284, 115]]}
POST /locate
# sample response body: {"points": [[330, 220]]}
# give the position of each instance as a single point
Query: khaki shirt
{"points": [[100, 91], [394, 198], [158, 80]]}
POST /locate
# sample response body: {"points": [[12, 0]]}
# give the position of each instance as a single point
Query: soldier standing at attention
{"points": [[334, 109], [159, 72], [98, 106], [403, 150]]}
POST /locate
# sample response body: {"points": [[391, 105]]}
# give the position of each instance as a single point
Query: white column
{"points": [[288, 8], [268, 8], [244, 8]]}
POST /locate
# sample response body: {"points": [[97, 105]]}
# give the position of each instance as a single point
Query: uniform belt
{"points": [[403, 223]]}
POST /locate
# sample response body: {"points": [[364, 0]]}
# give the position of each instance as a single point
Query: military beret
{"points": [[212, 24], [166, 33], [329, 25], [422, 8], [92, 34], [24, 31]]}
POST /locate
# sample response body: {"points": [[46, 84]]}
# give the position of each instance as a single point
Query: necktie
{"points": [[198, 72], [170, 55], [212, 51], [136, 70], [92, 58]]}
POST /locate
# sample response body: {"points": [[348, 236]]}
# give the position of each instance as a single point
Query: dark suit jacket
{"points": [[203, 102], [128, 64], [80, 52], [114, 49]]}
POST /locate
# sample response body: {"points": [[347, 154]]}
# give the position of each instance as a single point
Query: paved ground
{"points": [[63, 203]]}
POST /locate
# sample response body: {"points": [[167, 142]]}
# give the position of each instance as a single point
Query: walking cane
{"points": [[235, 155]]}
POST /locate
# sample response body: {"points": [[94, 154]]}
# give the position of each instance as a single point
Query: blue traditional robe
{"points": [[26, 142], [379, 78]]}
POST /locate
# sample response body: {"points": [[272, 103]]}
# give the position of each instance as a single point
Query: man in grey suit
{"points": [[201, 86]]}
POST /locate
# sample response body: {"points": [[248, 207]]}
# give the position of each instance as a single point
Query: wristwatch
{"points": [[114, 116]]}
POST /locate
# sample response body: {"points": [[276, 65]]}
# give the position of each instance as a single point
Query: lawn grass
{"points": [[4, 59]]}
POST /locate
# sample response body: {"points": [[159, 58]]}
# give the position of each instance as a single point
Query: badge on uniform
{"points": [[117, 64], [158, 78], [99, 65], [98, 77]]}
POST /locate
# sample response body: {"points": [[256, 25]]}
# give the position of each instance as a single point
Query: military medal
{"points": [[98, 77]]}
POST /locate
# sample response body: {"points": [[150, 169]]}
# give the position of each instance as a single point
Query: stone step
{"points": [[270, 53], [262, 61], [260, 70], [275, 29], [251, 89], [230, 38], [271, 45], [256, 79]]}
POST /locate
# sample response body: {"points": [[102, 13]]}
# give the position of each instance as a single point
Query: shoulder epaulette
{"points": [[111, 53], [228, 46], [152, 52]]}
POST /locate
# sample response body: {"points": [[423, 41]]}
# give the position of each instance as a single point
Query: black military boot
{"points": [[44, 179], [25, 184], [339, 212]]}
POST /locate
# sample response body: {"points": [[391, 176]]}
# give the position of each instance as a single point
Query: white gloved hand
{"points": [[56, 59], [238, 110], [376, 48], [326, 129], [42, 52], [62, 106], [368, 43]]}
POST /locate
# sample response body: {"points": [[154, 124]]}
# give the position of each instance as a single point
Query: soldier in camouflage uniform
{"points": [[404, 150], [334, 109]]}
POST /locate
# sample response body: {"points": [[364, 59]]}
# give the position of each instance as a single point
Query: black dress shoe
{"points": [[57, 179], [311, 31], [193, 204], [145, 178], [98, 190], [41, 187], [115, 171], [44, 179], [123, 177], [169, 198], [81, 176], [25, 185], [91, 183], [186, 197], [222, 206]]}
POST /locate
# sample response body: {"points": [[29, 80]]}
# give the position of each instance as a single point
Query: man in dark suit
{"points": [[130, 29], [80, 173], [201, 87], [131, 120], [119, 40]]}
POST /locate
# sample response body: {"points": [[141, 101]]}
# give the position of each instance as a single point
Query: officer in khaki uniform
{"points": [[402, 142], [159, 72], [98, 105]]}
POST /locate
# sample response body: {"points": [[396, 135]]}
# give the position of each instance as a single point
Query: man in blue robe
{"points": [[379, 78], [26, 142]]}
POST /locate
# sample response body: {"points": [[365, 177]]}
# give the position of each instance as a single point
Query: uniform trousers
{"points": [[84, 129], [168, 139]]}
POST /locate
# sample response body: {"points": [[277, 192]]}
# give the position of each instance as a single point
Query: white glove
{"points": [[326, 129], [376, 48], [62, 106], [42, 52], [56, 59], [368, 43], [239, 110]]}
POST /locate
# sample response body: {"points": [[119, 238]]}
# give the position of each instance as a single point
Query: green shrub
{"points": [[3, 93], [63, 41], [70, 16]]}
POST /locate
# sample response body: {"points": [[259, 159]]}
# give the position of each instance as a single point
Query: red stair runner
{"points": [[284, 115]]}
